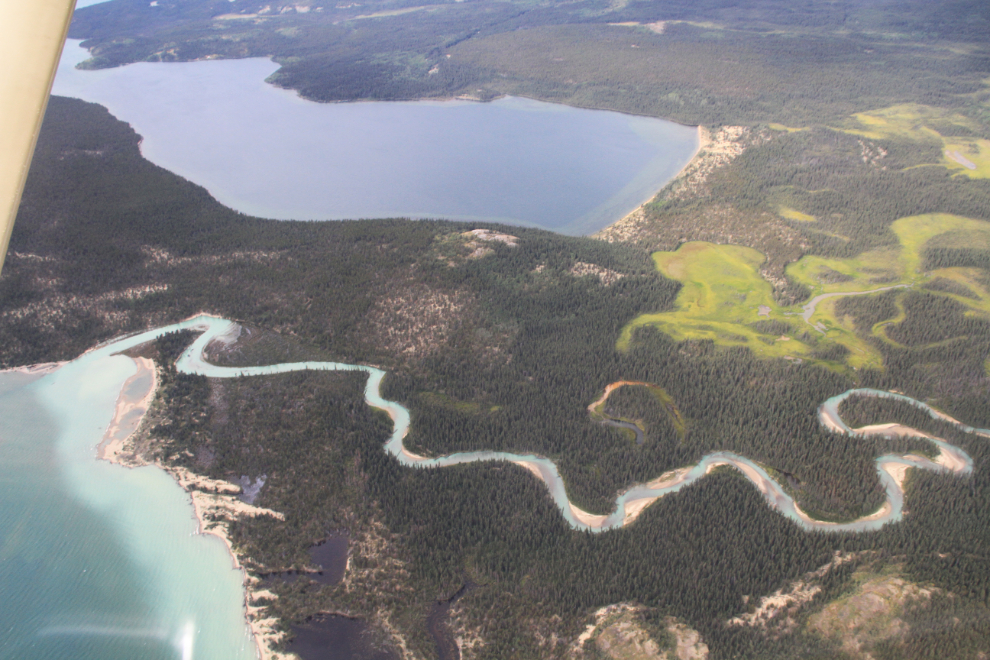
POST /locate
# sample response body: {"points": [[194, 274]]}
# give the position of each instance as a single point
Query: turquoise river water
{"points": [[103, 562]]}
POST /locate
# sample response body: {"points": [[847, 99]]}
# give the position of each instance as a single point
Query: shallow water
{"points": [[330, 557], [100, 561], [266, 152], [103, 562], [619, 424]]}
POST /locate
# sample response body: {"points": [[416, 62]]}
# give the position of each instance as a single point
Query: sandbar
{"points": [[590, 519], [40, 369], [116, 434], [211, 499], [633, 508], [611, 387]]}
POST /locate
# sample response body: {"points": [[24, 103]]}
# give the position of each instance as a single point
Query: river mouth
{"points": [[629, 503], [104, 508]]}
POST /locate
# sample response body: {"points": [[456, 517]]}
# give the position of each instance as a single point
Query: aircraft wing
{"points": [[32, 33]]}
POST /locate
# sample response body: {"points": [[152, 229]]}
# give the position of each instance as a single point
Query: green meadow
{"points": [[960, 153], [725, 299], [794, 214], [721, 300]]}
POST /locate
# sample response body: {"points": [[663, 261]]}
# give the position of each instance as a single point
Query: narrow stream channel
{"points": [[619, 424], [808, 309], [629, 502], [436, 622], [202, 602]]}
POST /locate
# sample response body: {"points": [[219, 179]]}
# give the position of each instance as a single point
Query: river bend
{"points": [[631, 502]]}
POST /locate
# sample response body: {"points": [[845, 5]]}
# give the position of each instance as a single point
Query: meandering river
{"points": [[808, 309], [103, 562], [632, 501]]}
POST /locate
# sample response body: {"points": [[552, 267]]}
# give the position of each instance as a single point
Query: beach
{"points": [[212, 500]]}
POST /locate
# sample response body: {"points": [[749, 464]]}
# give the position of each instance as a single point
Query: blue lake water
{"points": [[267, 152]]}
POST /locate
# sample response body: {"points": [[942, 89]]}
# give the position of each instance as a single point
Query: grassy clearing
{"points": [[880, 329], [721, 299], [723, 292], [841, 330], [868, 270], [788, 129], [896, 266], [916, 231], [969, 157], [960, 154], [794, 214], [911, 121], [675, 414], [977, 295], [891, 265]]}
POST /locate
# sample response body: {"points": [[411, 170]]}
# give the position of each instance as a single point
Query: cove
{"points": [[267, 152]]}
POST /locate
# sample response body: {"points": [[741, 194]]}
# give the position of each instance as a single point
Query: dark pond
{"points": [[332, 637]]}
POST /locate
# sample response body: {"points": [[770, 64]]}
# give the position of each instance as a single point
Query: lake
{"points": [[101, 562], [267, 152]]}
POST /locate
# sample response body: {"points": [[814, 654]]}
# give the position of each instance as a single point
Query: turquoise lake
{"points": [[267, 152], [98, 561], [103, 562]]}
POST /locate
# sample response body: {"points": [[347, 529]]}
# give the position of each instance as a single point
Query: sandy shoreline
{"points": [[215, 502], [950, 458], [590, 519], [704, 139], [113, 441], [828, 421], [39, 369], [633, 508], [211, 499], [416, 458], [898, 471]]}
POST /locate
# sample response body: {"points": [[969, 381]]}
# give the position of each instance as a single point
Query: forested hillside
{"points": [[710, 62], [499, 348], [833, 232]]}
